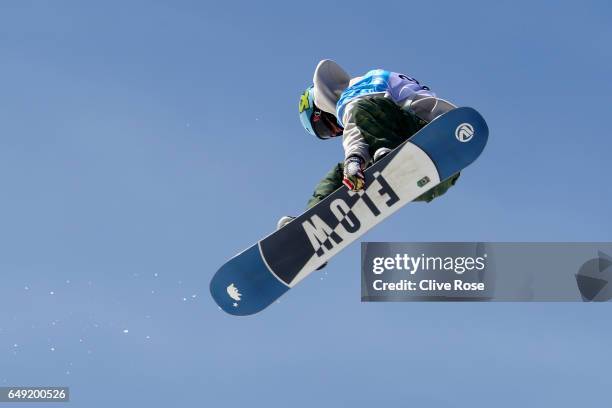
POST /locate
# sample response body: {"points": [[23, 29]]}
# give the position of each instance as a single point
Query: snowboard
{"points": [[259, 275]]}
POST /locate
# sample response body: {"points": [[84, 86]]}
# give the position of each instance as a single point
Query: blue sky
{"points": [[144, 143]]}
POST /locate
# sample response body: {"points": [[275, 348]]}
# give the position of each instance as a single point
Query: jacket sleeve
{"points": [[352, 140]]}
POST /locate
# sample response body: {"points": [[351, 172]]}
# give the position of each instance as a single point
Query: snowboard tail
{"points": [[246, 277], [255, 278]]}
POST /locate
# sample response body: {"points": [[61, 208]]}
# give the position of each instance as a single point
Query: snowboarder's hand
{"points": [[354, 178]]}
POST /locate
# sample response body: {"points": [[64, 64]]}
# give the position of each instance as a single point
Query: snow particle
{"points": [[52, 293], [126, 331]]}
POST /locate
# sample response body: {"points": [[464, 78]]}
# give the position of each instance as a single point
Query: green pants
{"points": [[382, 124]]}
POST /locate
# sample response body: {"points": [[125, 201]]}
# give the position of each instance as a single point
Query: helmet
{"points": [[316, 121]]}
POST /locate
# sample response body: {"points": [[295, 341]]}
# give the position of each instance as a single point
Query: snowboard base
{"points": [[255, 278]]}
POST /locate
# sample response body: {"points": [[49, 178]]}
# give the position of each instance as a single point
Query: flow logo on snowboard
{"points": [[322, 236]]}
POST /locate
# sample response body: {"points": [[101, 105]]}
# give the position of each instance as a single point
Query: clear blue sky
{"points": [[144, 143]]}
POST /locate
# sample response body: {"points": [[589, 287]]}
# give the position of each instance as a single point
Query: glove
{"points": [[354, 178]]}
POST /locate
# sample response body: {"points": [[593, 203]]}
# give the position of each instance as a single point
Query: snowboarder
{"points": [[373, 113]]}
